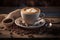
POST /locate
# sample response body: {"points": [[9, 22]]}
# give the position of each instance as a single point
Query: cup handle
{"points": [[42, 15]]}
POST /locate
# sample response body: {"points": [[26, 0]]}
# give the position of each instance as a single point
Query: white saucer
{"points": [[18, 22]]}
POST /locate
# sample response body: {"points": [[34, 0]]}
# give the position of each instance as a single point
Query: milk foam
{"points": [[31, 10]]}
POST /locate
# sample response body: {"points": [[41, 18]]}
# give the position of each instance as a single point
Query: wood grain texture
{"points": [[6, 33]]}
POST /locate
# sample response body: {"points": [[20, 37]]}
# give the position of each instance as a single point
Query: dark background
{"points": [[18, 3], [49, 7]]}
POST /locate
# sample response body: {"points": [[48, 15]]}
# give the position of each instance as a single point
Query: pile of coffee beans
{"points": [[8, 21]]}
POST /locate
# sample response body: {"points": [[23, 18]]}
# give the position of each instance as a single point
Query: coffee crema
{"points": [[30, 10]]}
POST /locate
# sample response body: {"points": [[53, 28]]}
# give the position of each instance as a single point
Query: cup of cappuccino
{"points": [[30, 14]]}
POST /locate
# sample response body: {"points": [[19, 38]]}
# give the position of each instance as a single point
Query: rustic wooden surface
{"points": [[7, 34]]}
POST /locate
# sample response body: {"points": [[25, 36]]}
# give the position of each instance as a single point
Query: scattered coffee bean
{"points": [[30, 36], [11, 36], [22, 34], [18, 33], [1, 27], [11, 33], [6, 29], [0, 33], [23, 24], [30, 25], [20, 21], [9, 30]]}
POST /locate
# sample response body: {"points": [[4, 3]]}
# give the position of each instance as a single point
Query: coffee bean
{"points": [[1, 27], [6, 29], [11, 33], [23, 24], [11, 36], [0, 33], [30, 36], [20, 21], [22, 34], [18, 33], [30, 25], [9, 30]]}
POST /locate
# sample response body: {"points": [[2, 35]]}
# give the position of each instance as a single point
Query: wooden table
{"points": [[7, 34]]}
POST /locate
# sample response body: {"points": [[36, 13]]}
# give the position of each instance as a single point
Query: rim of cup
{"points": [[39, 10]]}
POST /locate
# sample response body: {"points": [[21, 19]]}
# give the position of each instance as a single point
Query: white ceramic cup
{"points": [[30, 18]]}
